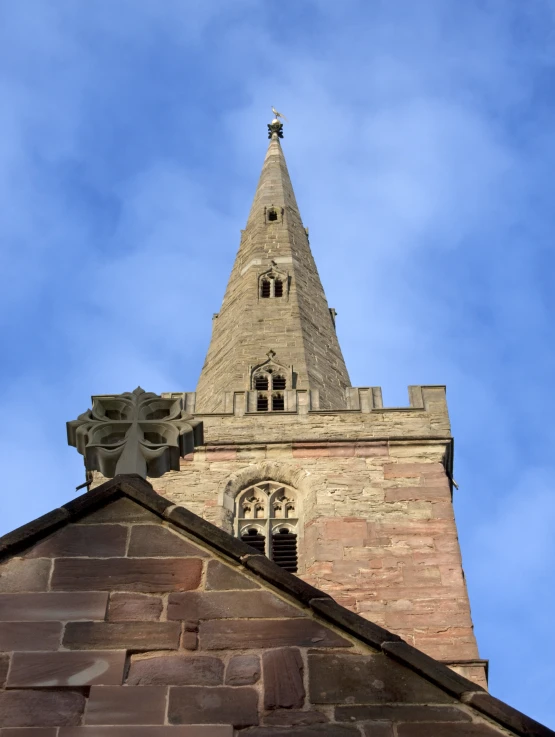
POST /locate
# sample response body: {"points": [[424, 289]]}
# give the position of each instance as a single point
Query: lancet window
{"points": [[271, 286], [266, 517]]}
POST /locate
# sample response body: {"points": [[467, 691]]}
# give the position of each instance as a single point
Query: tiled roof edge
{"points": [[322, 604]]}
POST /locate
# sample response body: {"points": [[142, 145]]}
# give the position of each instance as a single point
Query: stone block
{"points": [[223, 453], [229, 605], [341, 678], [36, 708], [189, 640], [49, 670], [310, 730], [98, 541], [511, 718], [198, 730], [220, 577], [122, 635], [341, 450], [176, 670], [41, 607], [4, 665], [310, 450], [252, 633], [29, 732], [147, 575], [283, 679], [218, 704], [417, 493], [378, 729], [401, 713], [130, 607], [280, 578], [371, 450], [122, 510], [421, 575], [243, 670], [457, 729], [150, 541], [294, 718], [353, 531], [403, 470], [30, 635], [451, 575], [19, 574], [112, 705], [442, 510]]}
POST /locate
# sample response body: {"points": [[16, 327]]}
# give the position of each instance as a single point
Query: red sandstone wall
{"points": [[121, 627]]}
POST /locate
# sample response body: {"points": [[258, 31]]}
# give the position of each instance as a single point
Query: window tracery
{"points": [[267, 379], [266, 517], [270, 380], [273, 284]]}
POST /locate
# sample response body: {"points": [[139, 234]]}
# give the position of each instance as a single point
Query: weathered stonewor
{"points": [[268, 662], [376, 530], [374, 519]]}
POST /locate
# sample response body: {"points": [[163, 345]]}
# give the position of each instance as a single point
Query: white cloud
{"points": [[420, 148]]}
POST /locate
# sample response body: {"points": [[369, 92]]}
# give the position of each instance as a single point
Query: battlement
{"points": [[430, 398], [364, 417]]}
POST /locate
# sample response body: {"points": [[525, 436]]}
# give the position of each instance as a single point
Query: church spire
{"points": [[274, 304]]}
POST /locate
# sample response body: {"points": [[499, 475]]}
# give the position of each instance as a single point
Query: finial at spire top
{"points": [[275, 128]]}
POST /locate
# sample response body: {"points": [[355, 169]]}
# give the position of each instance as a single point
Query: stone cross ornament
{"points": [[136, 432]]}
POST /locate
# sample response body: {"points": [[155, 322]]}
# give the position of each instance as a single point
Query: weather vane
{"points": [[275, 128], [279, 115]]}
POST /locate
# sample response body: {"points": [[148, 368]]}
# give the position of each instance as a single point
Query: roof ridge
{"points": [[136, 488]]}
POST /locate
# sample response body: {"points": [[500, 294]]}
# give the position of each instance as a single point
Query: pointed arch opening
{"points": [[273, 283], [266, 517]]}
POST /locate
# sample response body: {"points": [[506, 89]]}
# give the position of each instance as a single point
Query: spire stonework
{"points": [[297, 325], [318, 475]]}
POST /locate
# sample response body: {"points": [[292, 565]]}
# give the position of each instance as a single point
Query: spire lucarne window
{"points": [[269, 384], [271, 285], [266, 519]]}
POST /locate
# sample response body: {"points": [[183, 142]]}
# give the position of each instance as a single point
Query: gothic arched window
{"points": [[266, 379], [266, 517], [273, 284]]}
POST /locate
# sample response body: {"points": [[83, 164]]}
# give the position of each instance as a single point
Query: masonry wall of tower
{"points": [[376, 529]]}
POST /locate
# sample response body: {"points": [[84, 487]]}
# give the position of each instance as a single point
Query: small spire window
{"points": [[274, 283], [271, 287], [273, 214], [265, 380]]}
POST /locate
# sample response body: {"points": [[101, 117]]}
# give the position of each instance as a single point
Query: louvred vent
{"points": [[284, 548], [255, 540]]}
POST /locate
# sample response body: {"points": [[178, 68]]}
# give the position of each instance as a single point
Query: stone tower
{"points": [[354, 497]]}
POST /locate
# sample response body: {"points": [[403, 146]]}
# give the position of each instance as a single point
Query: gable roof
{"points": [[257, 564]]}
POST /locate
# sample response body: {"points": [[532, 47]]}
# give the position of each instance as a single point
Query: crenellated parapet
{"points": [[426, 416]]}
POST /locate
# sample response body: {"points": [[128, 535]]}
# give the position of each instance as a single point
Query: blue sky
{"points": [[421, 149]]}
